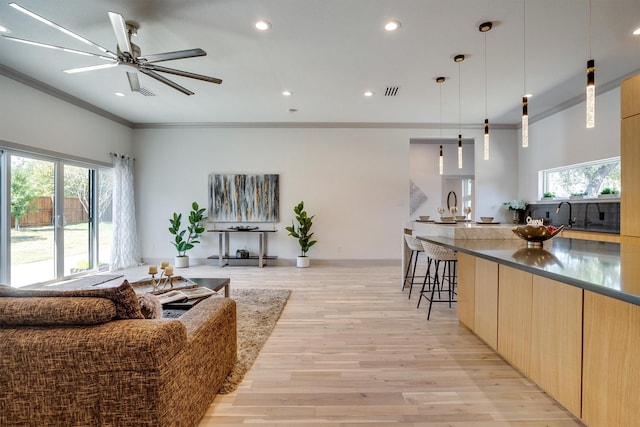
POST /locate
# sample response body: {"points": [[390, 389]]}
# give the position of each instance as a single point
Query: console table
{"points": [[223, 245]]}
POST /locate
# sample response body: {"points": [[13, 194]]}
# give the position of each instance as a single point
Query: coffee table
{"points": [[213, 283]]}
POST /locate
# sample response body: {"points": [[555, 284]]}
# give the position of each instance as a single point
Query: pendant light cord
{"points": [[440, 112], [524, 44], [590, 29], [459, 100], [485, 76]]}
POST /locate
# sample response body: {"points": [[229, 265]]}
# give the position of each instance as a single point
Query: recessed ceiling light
{"points": [[4, 30], [368, 93], [636, 32], [287, 93], [392, 25], [119, 94], [262, 25]]}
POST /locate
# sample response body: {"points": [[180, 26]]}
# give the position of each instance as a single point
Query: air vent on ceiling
{"points": [[146, 92], [391, 91]]}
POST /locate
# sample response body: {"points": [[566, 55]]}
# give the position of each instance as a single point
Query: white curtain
{"points": [[124, 247]]}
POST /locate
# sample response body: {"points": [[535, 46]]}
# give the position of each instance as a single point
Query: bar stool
{"points": [[439, 254], [416, 250]]}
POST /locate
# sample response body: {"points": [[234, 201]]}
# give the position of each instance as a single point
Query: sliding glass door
{"points": [[32, 232], [60, 213]]}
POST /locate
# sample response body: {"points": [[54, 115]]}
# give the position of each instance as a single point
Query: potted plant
{"points": [[609, 192], [518, 207], [577, 195], [181, 243], [302, 232], [549, 195]]}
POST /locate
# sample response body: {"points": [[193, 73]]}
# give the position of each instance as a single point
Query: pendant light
{"points": [[525, 96], [591, 83], [459, 59], [484, 28], [441, 80]]}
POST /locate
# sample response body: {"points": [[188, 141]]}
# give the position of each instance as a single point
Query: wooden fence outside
{"points": [[42, 215]]}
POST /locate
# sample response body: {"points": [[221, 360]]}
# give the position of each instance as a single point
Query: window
{"points": [[58, 219], [584, 179]]}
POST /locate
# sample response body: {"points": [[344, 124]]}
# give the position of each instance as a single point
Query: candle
{"points": [[153, 269], [168, 271], [164, 264]]}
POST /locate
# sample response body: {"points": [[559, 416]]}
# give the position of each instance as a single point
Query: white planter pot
{"points": [[303, 262], [181, 261]]}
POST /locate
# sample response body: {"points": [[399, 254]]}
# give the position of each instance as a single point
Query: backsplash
{"points": [[589, 215]]}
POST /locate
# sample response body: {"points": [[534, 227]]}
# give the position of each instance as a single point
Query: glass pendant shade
{"points": [[591, 93], [441, 162], [459, 151], [525, 122], [486, 139]]}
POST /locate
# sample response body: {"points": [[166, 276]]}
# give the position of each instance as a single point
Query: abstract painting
{"points": [[244, 198]]}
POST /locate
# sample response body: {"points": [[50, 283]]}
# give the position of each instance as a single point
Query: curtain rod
{"points": [[122, 156]]}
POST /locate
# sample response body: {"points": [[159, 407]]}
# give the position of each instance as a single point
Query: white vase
{"points": [[181, 261], [303, 262]]}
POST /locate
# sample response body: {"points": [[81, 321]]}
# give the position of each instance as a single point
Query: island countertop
{"points": [[611, 269]]}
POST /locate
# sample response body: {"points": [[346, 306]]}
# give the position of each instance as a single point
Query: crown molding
{"points": [[57, 93]]}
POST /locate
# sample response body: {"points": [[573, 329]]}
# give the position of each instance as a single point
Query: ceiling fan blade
{"points": [[179, 73], [90, 68], [64, 49], [134, 83], [120, 30], [166, 81], [168, 56], [61, 28]]}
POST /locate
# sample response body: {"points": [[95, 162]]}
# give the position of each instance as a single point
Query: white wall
{"points": [[30, 117], [563, 139], [354, 180]]}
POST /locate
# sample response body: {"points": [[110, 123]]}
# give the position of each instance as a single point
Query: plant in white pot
{"points": [[181, 243], [302, 232]]}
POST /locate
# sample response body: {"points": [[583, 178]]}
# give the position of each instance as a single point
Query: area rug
{"points": [[258, 311]]}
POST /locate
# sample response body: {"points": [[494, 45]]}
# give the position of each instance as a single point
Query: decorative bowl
{"points": [[535, 235], [460, 217], [486, 218], [447, 219], [424, 217]]}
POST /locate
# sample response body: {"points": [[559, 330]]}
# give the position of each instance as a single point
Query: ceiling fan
{"points": [[126, 53]]}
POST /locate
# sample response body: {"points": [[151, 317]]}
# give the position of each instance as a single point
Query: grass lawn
{"points": [[37, 243]]}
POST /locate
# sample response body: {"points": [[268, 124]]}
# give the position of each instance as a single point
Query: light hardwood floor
{"points": [[351, 350]]}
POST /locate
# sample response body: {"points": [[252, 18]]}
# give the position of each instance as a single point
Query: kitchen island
{"points": [[566, 315]]}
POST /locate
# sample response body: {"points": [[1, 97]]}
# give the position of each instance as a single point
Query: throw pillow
{"points": [[150, 306]]}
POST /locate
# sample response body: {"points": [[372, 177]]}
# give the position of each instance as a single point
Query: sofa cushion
{"points": [[124, 297], [55, 311]]}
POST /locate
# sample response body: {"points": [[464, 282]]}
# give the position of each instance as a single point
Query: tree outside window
{"points": [[586, 179]]}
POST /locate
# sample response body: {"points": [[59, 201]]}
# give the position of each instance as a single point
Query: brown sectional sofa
{"points": [[89, 358]]}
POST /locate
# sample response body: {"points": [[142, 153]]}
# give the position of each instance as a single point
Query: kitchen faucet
{"points": [[586, 214], [571, 219]]}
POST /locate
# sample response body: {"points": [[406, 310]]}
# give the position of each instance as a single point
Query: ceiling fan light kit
{"points": [[128, 53]]}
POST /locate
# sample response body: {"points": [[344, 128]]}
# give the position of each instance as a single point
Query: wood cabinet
{"points": [[515, 298], [486, 302], [630, 176], [556, 341], [466, 289], [630, 97], [611, 372]]}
